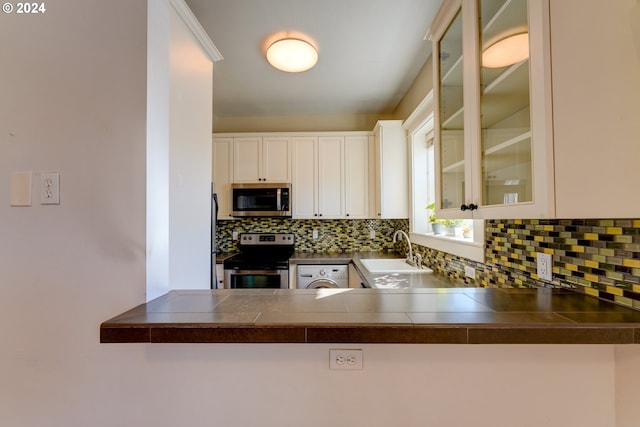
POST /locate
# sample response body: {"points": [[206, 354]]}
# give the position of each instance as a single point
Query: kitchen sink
{"points": [[391, 265]]}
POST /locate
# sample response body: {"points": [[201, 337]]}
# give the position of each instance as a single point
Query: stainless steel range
{"points": [[263, 261]]}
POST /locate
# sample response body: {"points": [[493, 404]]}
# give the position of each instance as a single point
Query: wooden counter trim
{"points": [[417, 334]]}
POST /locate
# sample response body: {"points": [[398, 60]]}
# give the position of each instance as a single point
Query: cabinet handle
{"points": [[315, 214], [470, 206], [347, 214]]}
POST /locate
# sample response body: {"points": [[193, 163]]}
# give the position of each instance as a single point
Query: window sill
{"points": [[453, 245]]}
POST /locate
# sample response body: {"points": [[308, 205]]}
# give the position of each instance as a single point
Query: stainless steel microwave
{"points": [[265, 199]]}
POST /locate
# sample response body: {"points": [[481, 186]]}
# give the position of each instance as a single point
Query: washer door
{"points": [[322, 283]]}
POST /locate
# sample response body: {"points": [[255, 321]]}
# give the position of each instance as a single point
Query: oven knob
{"points": [[322, 273]]}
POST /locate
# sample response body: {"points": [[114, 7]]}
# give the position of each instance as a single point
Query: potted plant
{"points": [[466, 232], [451, 225], [436, 225]]}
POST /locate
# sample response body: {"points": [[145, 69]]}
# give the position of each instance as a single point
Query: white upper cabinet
{"points": [[262, 159], [333, 175], [304, 188], [318, 177], [330, 177], [276, 159], [331, 201], [596, 107], [494, 145], [356, 167], [223, 174], [390, 170]]}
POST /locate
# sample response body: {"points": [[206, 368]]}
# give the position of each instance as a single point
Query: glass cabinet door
{"points": [[504, 103], [451, 117]]}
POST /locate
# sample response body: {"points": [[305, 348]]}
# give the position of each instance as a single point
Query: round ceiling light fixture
{"points": [[507, 51], [292, 55]]}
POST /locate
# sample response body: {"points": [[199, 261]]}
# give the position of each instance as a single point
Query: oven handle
{"points": [[238, 271], [279, 199]]}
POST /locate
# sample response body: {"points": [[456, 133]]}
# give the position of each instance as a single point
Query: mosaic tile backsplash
{"points": [[596, 257], [334, 235]]}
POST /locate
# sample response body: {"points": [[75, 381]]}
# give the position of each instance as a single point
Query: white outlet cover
{"points": [[50, 188], [470, 272], [545, 266], [345, 359]]}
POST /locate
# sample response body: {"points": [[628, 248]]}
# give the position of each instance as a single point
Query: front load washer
{"points": [[322, 276]]}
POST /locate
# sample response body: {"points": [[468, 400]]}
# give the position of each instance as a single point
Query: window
{"points": [[468, 238]]}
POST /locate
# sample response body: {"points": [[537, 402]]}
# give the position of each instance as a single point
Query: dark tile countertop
{"points": [[413, 315]]}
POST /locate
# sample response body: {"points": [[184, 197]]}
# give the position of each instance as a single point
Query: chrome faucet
{"points": [[410, 258]]}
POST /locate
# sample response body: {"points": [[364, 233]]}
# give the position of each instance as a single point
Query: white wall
{"points": [[191, 94], [74, 101], [179, 122], [627, 386], [158, 136]]}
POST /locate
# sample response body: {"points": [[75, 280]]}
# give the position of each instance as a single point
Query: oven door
{"points": [[256, 279]]}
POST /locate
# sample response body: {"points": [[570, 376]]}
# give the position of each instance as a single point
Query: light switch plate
{"points": [[21, 189]]}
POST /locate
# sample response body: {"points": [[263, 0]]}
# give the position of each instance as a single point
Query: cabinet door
{"points": [[331, 177], [505, 119], [247, 155], [223, 174], [304, 184], [451, 152], [276, 159], [493, 117], [356, 156], [392, 176]]}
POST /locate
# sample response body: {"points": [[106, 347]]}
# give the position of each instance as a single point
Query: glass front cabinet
{"points": [[494, 145]]}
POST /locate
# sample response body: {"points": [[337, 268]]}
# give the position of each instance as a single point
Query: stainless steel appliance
{"points": [[214, 219], [266, 199], [263, 261], [322, 276]]}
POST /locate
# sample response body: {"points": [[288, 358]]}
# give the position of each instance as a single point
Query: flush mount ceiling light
{"points": [[292, 55], [507, 51]]}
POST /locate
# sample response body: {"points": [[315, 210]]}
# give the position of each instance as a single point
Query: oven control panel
{"points": [[251, 239]]}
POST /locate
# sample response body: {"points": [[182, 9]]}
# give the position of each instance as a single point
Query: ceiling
{"points": [[370, 52]]}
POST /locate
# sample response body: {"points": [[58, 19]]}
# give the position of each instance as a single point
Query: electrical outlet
{"points": [[345, 359], [314, 234], [545, 267], [470, 272], [234, 235], [372, 234], [50, 188]]}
